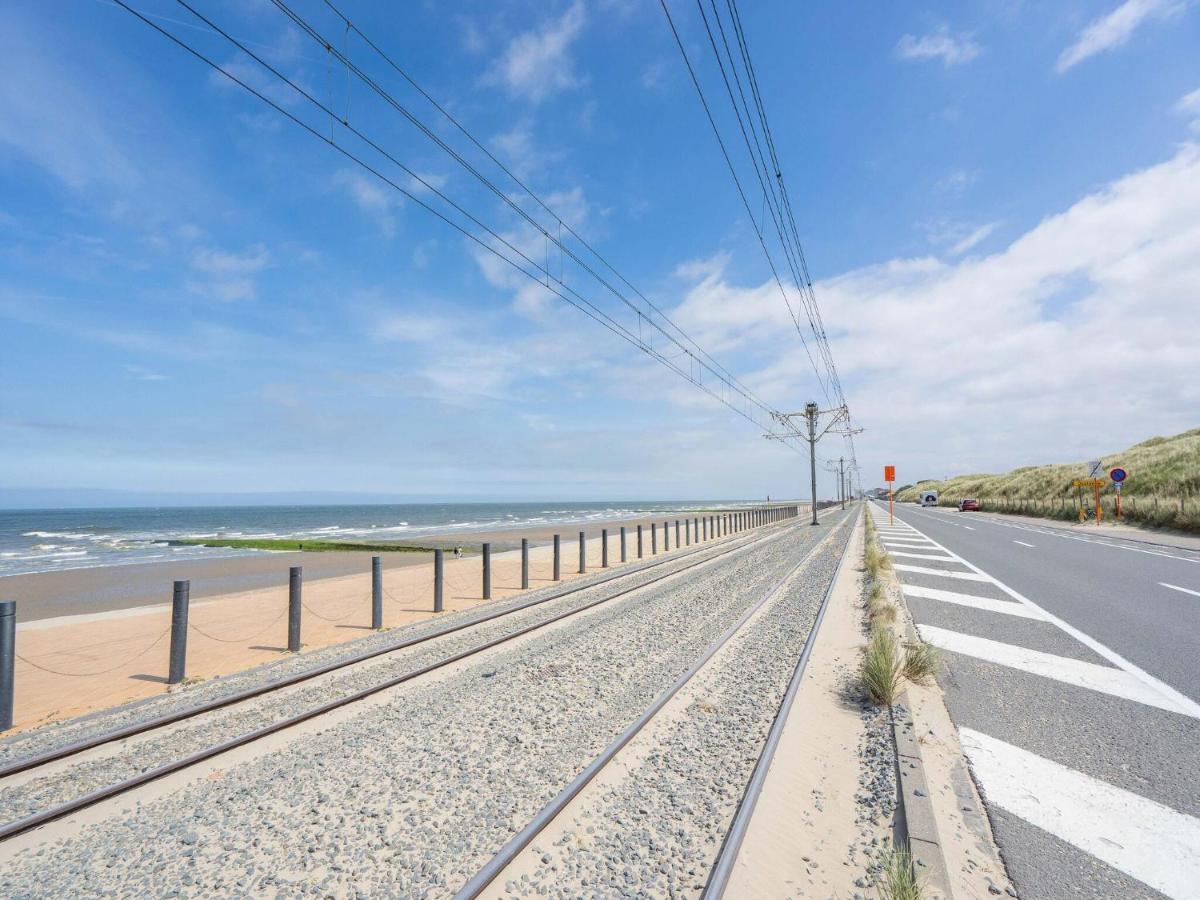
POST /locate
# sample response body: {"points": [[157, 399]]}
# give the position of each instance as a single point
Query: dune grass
{"points": [[921, 662], [879, 672], [898, 880], [1163, 487]]}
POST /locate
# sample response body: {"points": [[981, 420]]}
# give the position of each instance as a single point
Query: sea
{"points": [[47, 540]]}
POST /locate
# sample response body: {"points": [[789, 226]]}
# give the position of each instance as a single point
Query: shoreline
{"points": [[73, 593]]}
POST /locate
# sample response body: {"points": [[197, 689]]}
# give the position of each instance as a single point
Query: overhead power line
{"points": [[742, 88], [739, 399]]}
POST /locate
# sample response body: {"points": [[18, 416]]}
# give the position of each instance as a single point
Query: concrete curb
{"points": [[917, 823]]}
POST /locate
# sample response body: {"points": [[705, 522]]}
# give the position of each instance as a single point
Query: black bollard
{"points": [[295, 579], [179, 625], [376, 591]]}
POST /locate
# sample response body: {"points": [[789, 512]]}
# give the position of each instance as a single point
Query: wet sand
{"points": [[93, 638], [73, 592]]}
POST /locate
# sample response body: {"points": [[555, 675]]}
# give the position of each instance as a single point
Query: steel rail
{"points": [[512, 849], [722, 870], [35, 820], [32, 762]]}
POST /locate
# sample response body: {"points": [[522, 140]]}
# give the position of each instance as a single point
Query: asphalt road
{"points": [[1072, 671]]}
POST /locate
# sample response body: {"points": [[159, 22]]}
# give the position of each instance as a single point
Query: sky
{"points": [[999, 205]]}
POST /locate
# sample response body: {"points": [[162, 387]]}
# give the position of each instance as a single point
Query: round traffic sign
{"points": [[1118, 474]]}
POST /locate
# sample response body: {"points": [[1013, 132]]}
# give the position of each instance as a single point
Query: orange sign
{"points": [[889, 473]]}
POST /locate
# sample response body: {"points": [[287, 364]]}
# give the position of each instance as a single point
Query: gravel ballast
{"points": [[59, 734], [658, 830], [412, 796]]}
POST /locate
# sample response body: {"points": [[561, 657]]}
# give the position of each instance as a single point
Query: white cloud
{"points": [[372, 196], [530, 298], [538, 63], [654, 76], [1077, 337], [230, 275], [977, 236], [1113, 30], [958, 181], [951, 49], [1189, 105]]}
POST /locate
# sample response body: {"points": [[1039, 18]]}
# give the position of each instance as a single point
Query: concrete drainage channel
{"points": [[414, 797], [40, 800]]}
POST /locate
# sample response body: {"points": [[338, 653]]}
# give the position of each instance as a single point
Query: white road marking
{"points": [[912, 542], [987, 604], [1111, 543], [1186, 704], [1176, 587], [924, 570], [1146, 840], [968, 527], [921, 556], [1023, 544], [1105, 679]]}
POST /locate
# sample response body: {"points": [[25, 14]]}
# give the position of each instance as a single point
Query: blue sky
{"points": [[999, 203]]}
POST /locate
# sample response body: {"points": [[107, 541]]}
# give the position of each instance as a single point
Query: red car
{"points": [[968, 506]]}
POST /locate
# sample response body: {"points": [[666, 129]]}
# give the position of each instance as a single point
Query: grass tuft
{"points": [[881, 615], [921, 661], [879, 673], [898, 880]]}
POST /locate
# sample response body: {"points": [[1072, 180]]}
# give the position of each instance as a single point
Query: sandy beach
{"points": [[94, 638]]}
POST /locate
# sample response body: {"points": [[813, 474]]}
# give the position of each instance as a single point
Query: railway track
{"points": [[610, 588], [487, 878]]}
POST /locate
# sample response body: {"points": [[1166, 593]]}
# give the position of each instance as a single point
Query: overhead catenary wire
{"points": [[744, 403], [770, 177], [741, 192], [768, 186], [525, 188], [504, 197], [534, 272]]}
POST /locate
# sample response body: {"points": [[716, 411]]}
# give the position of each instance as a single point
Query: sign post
{"points": [[1118, 476], [889, 475], [1095, 484]]}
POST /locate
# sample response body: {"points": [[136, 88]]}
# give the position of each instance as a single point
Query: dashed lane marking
{"points": [[987, 604], [1183, 590], [1023, 544], [1106, 679], [925, 570], [1146, 840]]}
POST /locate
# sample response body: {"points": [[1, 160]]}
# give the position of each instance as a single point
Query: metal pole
{"points": [[624, 557], [557, 558], [376, 591], [810, 413], [582, 553], [8, 660], [487, 571], [295, 579], [842, 479], [179, 625], [604, 548], [639, 541], [524, 563], [439, 576]]}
